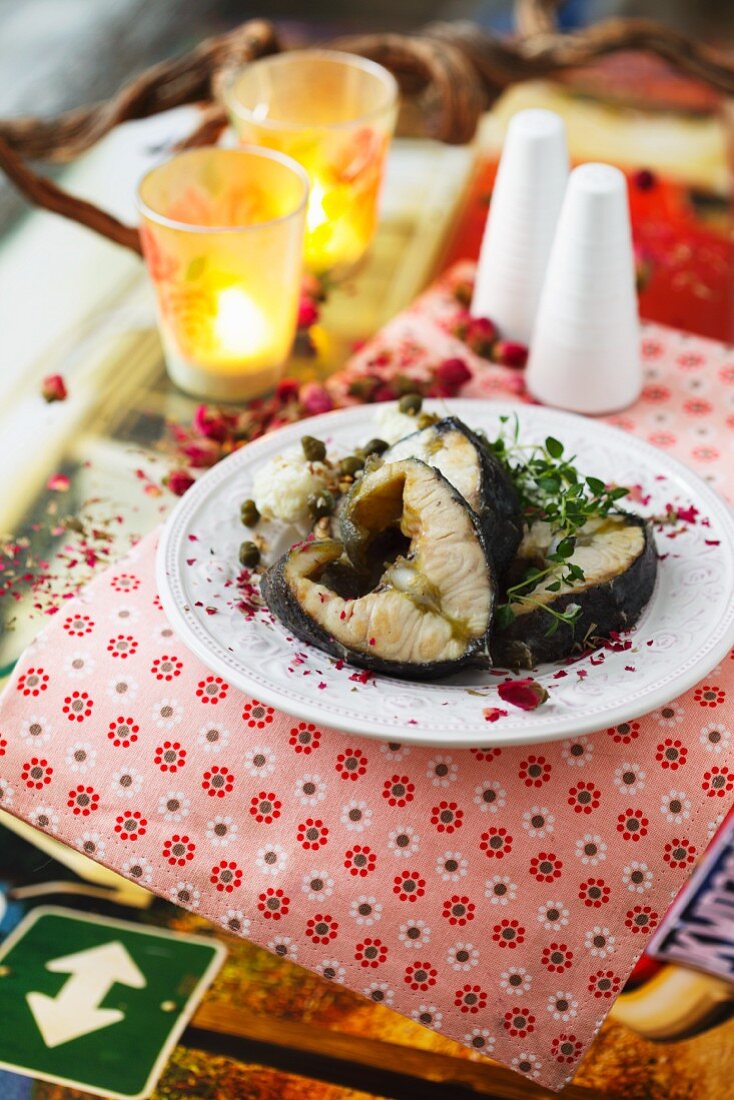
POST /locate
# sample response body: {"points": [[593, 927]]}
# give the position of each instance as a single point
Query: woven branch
{"points": [[454, 70]]}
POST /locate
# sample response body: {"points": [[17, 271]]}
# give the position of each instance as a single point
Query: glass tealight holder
{"points": [[334, 113], [222, 232]]}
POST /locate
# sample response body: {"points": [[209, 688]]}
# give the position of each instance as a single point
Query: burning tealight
{"points": [[222, 233], [334, 113]]}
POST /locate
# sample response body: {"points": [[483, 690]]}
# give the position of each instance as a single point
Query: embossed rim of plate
{"points": [[518, 727]]}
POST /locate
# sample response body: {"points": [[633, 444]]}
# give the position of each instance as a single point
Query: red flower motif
{"points": [[458, 910], [519, 1022], [604, 984], [641, 920], [546, 867], [36, 773], [170, 756], [584, 797], [122, 646], [594, 892], [257, 716], [566, 1048], [409, 886], [218, 781], [508, 933], [212, 689], [179, 850], [671, 754], [420, 975], [305, 738], [166, 667], [83, 800], [3, 746], [496, 843], [486, 754], [624, 732], [123, 732], [78, 625], [351, 764], [470, 998], [360, 860], [679, 853], [632, 824], [265, 806], [717, 782], [312, 834], [77, 706], [273, 903], [655, 393], [322, 928], [447, 817], [709, 695], [535, 771], [398, 790], [526, 694], [370, 952], [32, 682], [130, 825], [226, 876], [557, 957], [125, 582]]}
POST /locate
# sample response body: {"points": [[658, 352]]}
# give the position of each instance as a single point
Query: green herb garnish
{"points": [[550, 489]]}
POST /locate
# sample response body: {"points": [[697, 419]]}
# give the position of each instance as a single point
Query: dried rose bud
{"points": [[212, 423], [644, 179], [510, 354], [384, 393], [313, 287], [178, 481], [526, 694], [482, 336], [287, 390], [451, 374], [201, 454], [53, 388], [308, 313], [315, 398]]}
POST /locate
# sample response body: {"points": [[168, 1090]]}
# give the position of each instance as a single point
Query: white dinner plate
{"points": [[686, 629]]}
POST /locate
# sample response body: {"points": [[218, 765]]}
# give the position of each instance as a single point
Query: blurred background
{"points": [[57, 54]]}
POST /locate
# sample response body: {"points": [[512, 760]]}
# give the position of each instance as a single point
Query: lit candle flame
{"points": [[316, 215], [240, 328]]}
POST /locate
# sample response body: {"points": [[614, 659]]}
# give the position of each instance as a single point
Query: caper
{"points": [[249, 554], [411, 404], [314, 449], [375, 447], [249, 513], [321, 504], [349, 465]]}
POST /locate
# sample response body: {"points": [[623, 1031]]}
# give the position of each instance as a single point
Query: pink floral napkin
{"points": [[500, 896]]}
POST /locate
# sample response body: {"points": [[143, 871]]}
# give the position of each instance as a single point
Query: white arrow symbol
{"points": [[75, 1011]]}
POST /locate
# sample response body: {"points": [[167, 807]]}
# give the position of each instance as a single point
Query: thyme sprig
{"points": [[551, 489]]}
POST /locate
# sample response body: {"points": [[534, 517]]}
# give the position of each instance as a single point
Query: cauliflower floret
{"points": [[281, 488], [393, 424]]}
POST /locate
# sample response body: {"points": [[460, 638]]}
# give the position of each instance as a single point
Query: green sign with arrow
{"points": [[98, 1004]]}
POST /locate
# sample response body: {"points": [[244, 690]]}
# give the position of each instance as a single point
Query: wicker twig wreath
{"points": [[453, 69]]}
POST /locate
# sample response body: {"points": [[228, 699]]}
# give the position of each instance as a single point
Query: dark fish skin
{"points": [[500, 515], [612, 606], [282, 601]]}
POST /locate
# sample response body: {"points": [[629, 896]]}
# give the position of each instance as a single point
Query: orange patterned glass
{"points": [[222, 232], [334, 113]]}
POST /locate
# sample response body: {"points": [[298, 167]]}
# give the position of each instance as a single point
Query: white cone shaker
{"points": [[585, 347], [523, 213]]}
